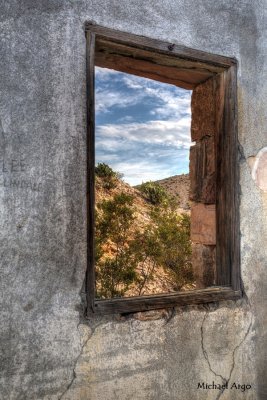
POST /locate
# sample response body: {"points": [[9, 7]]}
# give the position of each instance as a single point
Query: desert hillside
{"points": [[178, 186], [142, 236]]}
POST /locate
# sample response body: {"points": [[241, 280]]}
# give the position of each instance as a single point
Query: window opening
{"points": [[142, 238], [213, 172]]}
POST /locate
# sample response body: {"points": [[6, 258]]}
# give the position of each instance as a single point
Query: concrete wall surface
{"points": [[48, 350]]}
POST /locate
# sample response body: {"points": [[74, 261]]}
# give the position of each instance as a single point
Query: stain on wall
{"points": [[259, 169]]}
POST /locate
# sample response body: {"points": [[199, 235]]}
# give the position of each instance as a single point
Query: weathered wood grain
{"points": [[171, 75], [144, 303], [202, 171], [160, 46], [90, 182], [227, 182], [203, 110], [170, 59], [204, 265], [149, 64]]}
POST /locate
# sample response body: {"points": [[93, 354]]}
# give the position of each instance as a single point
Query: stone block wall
{"points": [[203, 183]]}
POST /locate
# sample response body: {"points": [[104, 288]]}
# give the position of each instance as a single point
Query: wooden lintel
{"points": [[171, 60], [160, 46], [151, 64], [175, 76]]}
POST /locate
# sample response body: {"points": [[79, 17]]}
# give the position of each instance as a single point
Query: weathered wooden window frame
{"points": [[191, 68]]}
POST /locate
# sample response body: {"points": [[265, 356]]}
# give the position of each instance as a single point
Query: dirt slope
{"points": [[178, 186]]}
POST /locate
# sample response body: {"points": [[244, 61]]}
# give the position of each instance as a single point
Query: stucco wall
{"points": [[48, 350]]}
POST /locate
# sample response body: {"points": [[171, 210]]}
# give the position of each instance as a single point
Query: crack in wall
{"points": [[225, 381], [74, 375], [172, 313], [204, 351]]}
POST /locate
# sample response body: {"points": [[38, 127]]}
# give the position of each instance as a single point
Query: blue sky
{"points": [[142, 126]]}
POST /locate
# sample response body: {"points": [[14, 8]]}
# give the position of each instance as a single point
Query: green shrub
{"points": [[116, 269], [128, 255], [147, 250], [104, 171], [108, 177], [172, 232], [154, 193]]}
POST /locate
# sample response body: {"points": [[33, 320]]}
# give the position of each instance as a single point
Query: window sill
{"points": [[152, 302]]}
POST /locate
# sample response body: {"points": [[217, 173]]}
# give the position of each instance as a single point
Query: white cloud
{"points": [[105, 73], [137, 172], [145, 151], [166, 133], [107, 95], [169, 101], [150, 150], [174, 101], [127, 118], [134, 82], [105, 99]]}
